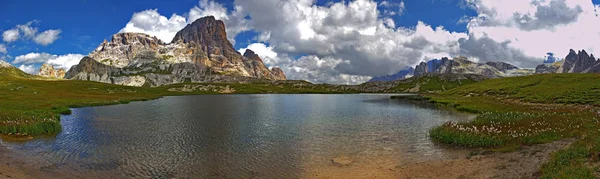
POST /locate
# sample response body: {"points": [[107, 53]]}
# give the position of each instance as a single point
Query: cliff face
{"points": [[574, 62], [48, 71], [200, 52], [461, 65]]}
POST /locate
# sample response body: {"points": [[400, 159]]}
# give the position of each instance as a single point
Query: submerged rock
{"points": [[342, 161]]}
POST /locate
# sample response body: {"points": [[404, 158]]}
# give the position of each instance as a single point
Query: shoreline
{"points": [[476, 163]]}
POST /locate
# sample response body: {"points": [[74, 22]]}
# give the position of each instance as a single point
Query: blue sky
{"points": [[322, 41]]}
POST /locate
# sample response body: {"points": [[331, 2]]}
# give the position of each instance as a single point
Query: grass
{"points": [[30, 106], [433, 83], [530, 110]]}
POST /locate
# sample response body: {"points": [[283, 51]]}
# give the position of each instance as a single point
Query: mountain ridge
{"points": [[200, 52]]}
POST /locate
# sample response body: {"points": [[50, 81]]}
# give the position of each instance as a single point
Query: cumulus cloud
{"points": [[47, 37], [267, 54], [29, 32], [28, 69], [58, 61], [317, 70], [10, 35], [3, 49], [533, 27], [353, 31], [31, 58], [153, 23]]}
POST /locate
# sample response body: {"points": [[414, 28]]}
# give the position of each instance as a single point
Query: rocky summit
{"points": [[200, 52], [48, 71], [461, 65], [458, 65], [574, 62]]}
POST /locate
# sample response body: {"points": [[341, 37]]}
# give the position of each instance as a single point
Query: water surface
{"points": [[241, 136]]}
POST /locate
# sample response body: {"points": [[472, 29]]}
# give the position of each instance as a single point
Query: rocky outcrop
{"points": [[547, 68], [403, 74], [577, 62], [278, 73], [200, 52], [48, 71], [420, 69], [4, 64], [501, 66], [461, 65], [92, 70]]}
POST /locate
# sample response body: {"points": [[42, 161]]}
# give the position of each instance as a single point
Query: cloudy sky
{"points": [[341, 42]]}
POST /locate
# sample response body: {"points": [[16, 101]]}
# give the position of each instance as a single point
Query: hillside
{"points": [[530, 110]]}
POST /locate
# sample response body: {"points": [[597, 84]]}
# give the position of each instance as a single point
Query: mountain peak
{"points": [[207, 31], [4, 64]]}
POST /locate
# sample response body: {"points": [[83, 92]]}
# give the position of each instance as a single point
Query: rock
{"points": [[502, 66], [200, 52], [544, 69], [420, 69], [4, 64], [342, 161], [579, 62], [278, 73], [48, 71], [461, 65]]}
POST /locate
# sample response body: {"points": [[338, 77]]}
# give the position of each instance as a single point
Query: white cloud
{"points": [[27, 30], [31, 33], [58, 61], [3, 49], [28, 69], [152, 23], [32, 57], [11, 35], [317, 70], [65, 61], [533, 28], [47, 37], [267, 54]]}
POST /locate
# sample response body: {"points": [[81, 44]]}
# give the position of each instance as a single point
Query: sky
{"points": [[339, 42]]}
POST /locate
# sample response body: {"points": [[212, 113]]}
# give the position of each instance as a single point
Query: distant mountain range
{"points": [[458, 65], [200, 52], [575, 62]]}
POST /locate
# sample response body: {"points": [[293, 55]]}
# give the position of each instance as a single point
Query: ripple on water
{"points": [[242, 136]]}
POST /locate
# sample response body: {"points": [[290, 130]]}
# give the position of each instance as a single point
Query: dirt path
{"points": [[524, 163]]}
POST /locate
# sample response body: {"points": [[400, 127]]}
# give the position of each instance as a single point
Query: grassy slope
{"points": [[31, 106], [528, 110], [431, 84]]}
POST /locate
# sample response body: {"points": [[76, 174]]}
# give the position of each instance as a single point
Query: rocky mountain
{"points": [[7, 71], [48, 71], [458, 65], [4, 64], [501, 66], [574, 62], [200, 52], [403, 74], [461, 65]]}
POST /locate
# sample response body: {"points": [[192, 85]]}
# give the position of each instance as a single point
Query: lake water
{"points": [[242, 136]]}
